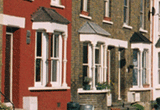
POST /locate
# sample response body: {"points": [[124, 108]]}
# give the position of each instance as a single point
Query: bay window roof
{"points": [[137, 37], [92, 28], [91, 32], [48, 15]]}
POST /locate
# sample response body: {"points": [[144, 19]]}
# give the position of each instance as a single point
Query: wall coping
{"points": [[81, 91]]}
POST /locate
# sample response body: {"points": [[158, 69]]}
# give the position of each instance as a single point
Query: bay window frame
{"points": [[43, 58], [58, 59]]}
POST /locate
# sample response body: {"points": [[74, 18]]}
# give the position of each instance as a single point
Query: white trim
{"points": [[80, 91], [141, 46], [127, 26], [140, 89], [142, 30], [14, 21], [84, 16], [107, 22], [119, 76], [108, 41], [107, 7], [48, 88], [64, 61], [50, 27], [43, 57], [57, 5]]}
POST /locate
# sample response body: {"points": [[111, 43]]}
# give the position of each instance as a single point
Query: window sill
{"points": [[84, 16], [157, 88], [47, 88], [142, 30], [140, 89], [107, 22], [57, 5], [127, 26], [81, 91]]}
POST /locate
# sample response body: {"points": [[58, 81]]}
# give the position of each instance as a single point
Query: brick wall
{"points": [[97, 100], [117, 31]]}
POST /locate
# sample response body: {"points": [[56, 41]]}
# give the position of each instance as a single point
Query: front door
{"points": [[8, 67]]}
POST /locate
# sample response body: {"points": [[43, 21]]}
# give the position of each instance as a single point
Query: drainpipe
{"points": [[152, 39]]}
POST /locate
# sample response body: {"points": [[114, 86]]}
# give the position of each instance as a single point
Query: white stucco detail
{"points": [[50, 27], [14, 21], [156, 85], [108, 41]]}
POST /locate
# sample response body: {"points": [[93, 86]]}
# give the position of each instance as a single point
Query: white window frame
{"points": [[56, 3], [107, 8], [158, 68], [140, 68], [100, 78], [145, 67], [43, 57], [126, 12], [85, 6], [44, 63], [142, 14], [59, 60]]}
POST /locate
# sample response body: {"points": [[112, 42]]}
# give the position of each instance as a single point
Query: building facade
{"points": [[36, 53], [156, 50], [111, 46]]}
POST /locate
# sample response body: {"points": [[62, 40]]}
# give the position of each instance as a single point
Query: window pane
{"points": [[97, 59], [141, 5], [125, 14], [85, 54], [85, 70], [56, 45], [135, 58], [39, 43], [97, 72], [54, 70], [144, 76], [135, 76], [141, 20], [125, 2], [38, 69]]}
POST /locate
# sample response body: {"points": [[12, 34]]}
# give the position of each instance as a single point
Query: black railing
{"points": [[7, 100]]}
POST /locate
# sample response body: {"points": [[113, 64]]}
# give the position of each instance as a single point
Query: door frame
{"points": [[11, 63]]}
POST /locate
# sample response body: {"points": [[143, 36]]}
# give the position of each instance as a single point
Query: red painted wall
{"points": [[24, 55]]}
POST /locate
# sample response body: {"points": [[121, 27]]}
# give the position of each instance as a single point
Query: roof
{"points": [[137, 37], [92, 28], [48, 15], [158, 43]]}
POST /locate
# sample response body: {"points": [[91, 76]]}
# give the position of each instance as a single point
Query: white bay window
{"points": [[140, 70], [56, 59], [41, 58]]}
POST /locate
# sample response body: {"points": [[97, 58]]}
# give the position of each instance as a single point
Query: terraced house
{"points": [[111, 48], [35, 39]]}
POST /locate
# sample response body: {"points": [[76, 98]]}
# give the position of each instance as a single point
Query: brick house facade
{"points": [[128, 23], [36, 53]]}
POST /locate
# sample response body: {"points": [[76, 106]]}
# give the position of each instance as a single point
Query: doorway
{"points": [[8, 67]]}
